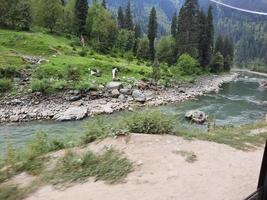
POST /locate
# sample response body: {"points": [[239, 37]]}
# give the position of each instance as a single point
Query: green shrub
{"points": [[40, 85], [149, 122], [109, 166], [37, 146], [5, 85], [82, 53], [8, 72], [73, 73], [186, 66], [96, 129]]}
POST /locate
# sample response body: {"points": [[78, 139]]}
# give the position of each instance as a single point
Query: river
{"points": [[239, 102]]}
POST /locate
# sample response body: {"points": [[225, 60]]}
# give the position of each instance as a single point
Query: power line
{"points": [[240, 9]]}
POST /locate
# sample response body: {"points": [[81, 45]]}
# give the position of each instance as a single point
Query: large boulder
{"points": [[72, 113], [196, 116], [139, 96], [114, 85]]}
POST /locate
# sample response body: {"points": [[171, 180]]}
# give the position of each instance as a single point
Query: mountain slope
{"points": [[248, 31]]}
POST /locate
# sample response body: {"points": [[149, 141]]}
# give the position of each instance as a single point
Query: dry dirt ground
{"points": [[162, 173]]}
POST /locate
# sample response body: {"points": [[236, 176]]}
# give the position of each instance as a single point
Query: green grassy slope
{"points": [[63, 60]]}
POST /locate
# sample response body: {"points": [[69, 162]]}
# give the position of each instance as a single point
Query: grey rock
{"points": [[122, 98], [14, 118], [126, 91], [115, 93], [196, 116], [149, 95], [139, 96], [114, 85], [72, 113]]}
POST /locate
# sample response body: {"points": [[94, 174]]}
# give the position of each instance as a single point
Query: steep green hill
{"points": [[66, 65]]}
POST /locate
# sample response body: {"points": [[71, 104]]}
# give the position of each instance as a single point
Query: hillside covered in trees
{"points": [[247, 31], [83, 31]]}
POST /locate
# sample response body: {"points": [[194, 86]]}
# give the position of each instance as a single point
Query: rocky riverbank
{"points": [[73, 105]]}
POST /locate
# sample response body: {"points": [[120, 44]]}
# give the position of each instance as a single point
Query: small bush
{"points": [[186, 66], [5, 85], [9, 193], [97, 129], [153, 122], [73, 73], [8, 72], [82, 53], [40, 85], [109, 166]]}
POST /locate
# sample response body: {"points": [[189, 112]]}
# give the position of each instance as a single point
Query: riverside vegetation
{"points": [[52, 47], [78, 163]]}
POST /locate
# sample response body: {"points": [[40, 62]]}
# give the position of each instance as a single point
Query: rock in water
{"points": [[263, 84], [72, 113], [196, 116], [139, 96], [114, 85]]}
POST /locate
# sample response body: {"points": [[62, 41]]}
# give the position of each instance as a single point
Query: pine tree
{"points": [[152, 32], [187, 34], [104, 4], [137, 35], [120, 18], [219, 44], [128, 21], [81, 11], [174, 25], [210, 30], [203, 45]]}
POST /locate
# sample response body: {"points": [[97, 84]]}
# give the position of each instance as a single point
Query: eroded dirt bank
{"points": [[162, 172]]}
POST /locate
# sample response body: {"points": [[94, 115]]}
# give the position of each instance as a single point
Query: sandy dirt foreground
{"points": [[220, 173]]}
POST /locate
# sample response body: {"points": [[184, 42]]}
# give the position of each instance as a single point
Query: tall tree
{"points": [[128, 21], [152, 32], [219, 44], [210, 30], [101, 28], [104, 4], [120, 18], [174, 25], [50, 13], [81, 12], [203, 45], [23, 17], [137, 35], [187, 34]]}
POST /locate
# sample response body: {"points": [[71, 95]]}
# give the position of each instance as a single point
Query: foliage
{"points": [[217, 63], [5, 85], [109, 166], [128, 19], [143, 48], [152, 32], [186, 65], [16, 14], [50, 12], [81, 10], [188, 33], [165, 50], [153, 122], [8, 71], [125, 40], [101, 28]]}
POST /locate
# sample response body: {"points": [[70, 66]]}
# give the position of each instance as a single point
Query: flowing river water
{"points": [[239, 102]]}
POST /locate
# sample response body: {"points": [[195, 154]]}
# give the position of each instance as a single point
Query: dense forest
{"points": [[247, 31]]}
